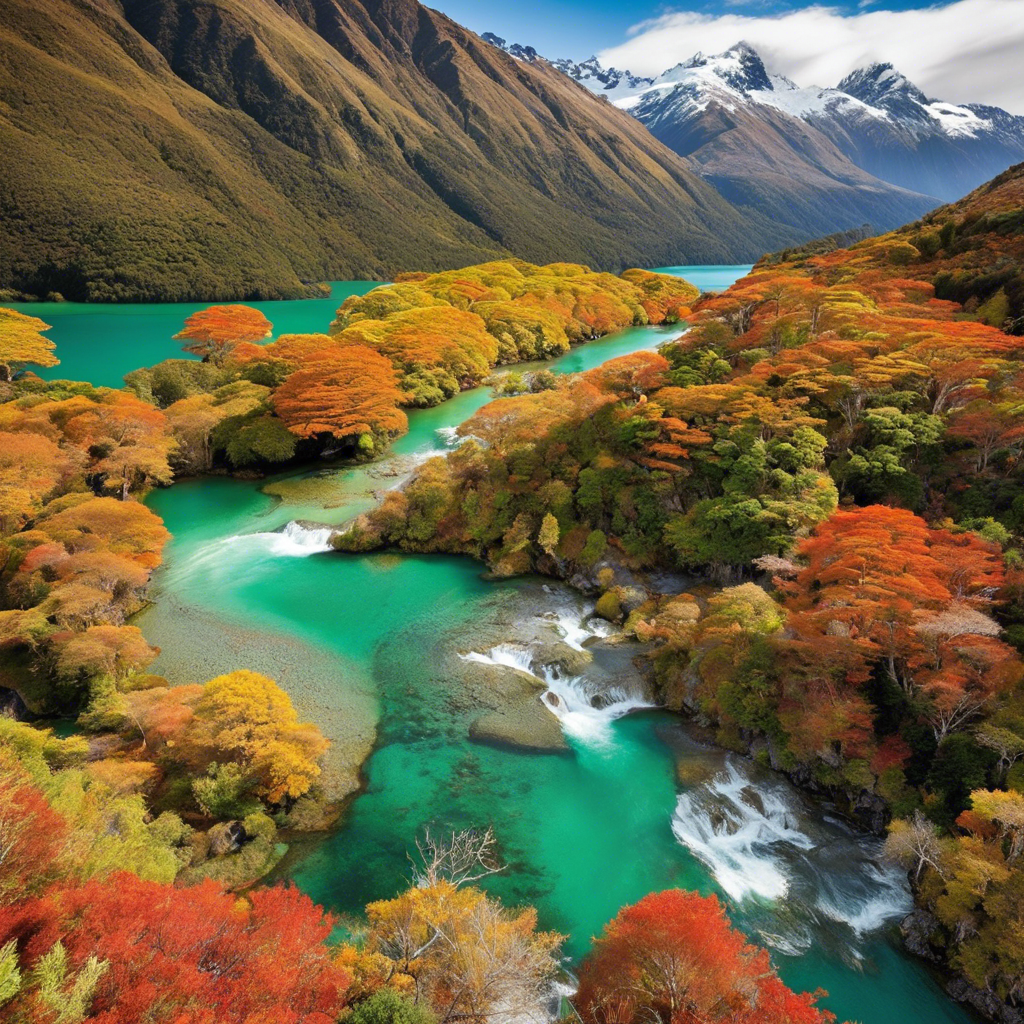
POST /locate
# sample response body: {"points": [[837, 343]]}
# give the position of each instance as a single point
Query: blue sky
{"points": [[579, 28], [963, 51]]}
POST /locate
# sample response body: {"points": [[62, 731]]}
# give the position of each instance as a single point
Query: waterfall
{"points": [[585, 708], [736, 831], [292, 541], [575, 631], [763, 845], [584, 713], [504, 654]]}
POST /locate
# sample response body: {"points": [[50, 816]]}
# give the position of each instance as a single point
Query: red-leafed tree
{"points": [[185, 956], [674, 957], [212, 332], [31, 833]]}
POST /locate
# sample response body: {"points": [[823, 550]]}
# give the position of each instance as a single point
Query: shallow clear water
{"points": [[370, 646]]}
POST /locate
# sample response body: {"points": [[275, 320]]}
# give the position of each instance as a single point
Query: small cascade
{"points": [[737, 832], [449, 436], [296, 540], [585, 707], [796, 877], [508, 655], [292, 541], [575, 631], [585, 714]]}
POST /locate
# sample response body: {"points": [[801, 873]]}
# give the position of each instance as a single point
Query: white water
{"points": [[737, 833], [571, 701], [292, 541], [758, 840], [584, 709]]}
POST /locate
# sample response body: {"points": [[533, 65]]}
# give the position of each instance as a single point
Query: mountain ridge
{"points": [[875, 117], [165, 149]]}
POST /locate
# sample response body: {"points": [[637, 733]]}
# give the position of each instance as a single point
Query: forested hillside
{"points": [[167, 150]]}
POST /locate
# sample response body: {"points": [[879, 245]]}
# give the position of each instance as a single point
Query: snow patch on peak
{"points": [[878, 83]]}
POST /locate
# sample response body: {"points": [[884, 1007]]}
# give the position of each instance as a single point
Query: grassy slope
{"points": [[236, 148]]}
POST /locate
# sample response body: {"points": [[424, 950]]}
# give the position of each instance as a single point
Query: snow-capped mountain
{"points": [[761, 158], [876, 117]]}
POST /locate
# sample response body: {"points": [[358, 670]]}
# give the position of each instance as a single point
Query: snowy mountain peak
{"points": [[881, 85], [740, 67], [524, 53]]}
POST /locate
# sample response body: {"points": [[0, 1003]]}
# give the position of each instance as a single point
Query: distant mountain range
{"points": [[806, 155], [168, 149]]}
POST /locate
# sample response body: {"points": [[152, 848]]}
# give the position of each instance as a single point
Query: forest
{"points": [[834, 449], [130, 845], [831, 448]]}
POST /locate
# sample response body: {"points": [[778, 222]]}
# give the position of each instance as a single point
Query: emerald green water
{"points": [[101, 342], [370, 647]]}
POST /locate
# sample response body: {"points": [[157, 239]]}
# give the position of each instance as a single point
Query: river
{"points": [[395, 655]]}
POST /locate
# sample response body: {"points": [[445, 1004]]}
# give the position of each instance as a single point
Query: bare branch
{"points": [[461, 858]]}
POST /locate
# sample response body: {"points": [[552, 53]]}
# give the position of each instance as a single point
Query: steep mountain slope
{"points": [[900, 135], [238, 148], [875, 117], [758, 155]]}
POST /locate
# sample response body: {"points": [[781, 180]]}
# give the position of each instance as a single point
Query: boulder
{"points": [[525, 725], [557, 654]]}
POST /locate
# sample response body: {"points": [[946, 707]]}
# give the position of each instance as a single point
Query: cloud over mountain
{"points": [[967, 51]]}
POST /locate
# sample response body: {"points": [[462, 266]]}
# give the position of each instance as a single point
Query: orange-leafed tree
{"points": [[630, 376], [180, 956], [22, 343], [213, 332], [94, 524], [352, 394], [126, 437], [674, 957]]}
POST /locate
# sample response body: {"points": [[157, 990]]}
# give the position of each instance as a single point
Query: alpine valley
{"points": [[874, 147], [490, 540]]}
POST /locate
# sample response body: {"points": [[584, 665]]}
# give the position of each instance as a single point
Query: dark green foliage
{"points": [[389, 1007], [249, 441], [961, 765]]}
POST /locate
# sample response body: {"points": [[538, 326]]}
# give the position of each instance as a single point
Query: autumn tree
{"points": [[248, 718], [182, 954], [22, 343], [674, 957], [32, 835], [351, 396], [463, 952], [211, 333]]}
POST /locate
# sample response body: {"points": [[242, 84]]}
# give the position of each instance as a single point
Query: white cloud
{"points": [[969, 51]]}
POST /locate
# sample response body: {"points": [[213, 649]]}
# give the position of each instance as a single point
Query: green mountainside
{"points": [[175, 149]]}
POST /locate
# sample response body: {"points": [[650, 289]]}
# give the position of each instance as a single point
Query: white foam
{"points": [[574, 630], [737, 833], [504, 654], [571, 701], [292, 541], [866, 900]]}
